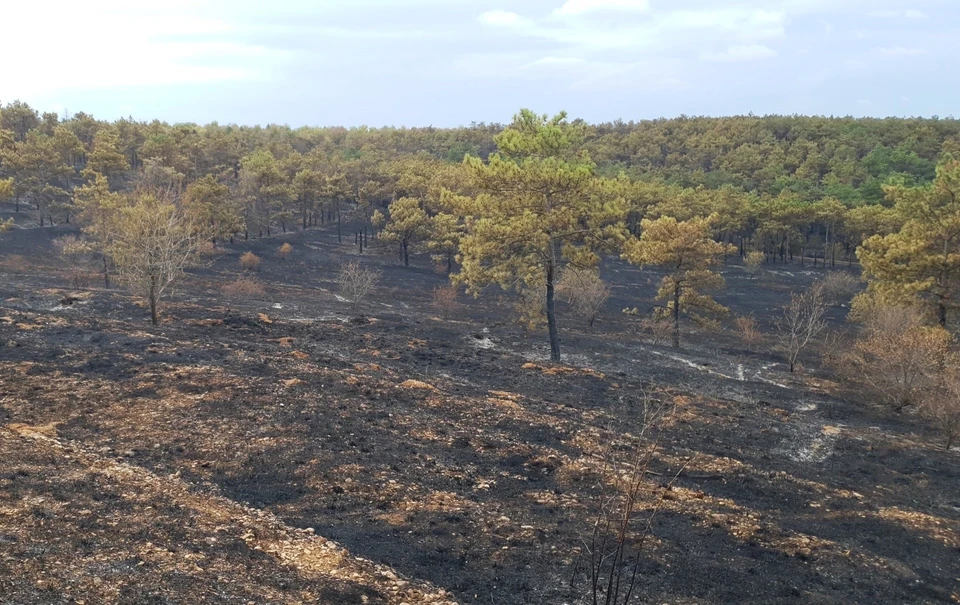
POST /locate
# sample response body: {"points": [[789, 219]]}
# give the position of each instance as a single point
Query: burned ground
{"points": [[277, 450]]}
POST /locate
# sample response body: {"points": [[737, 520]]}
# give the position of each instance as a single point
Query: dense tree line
{"points": [[515, 205]]}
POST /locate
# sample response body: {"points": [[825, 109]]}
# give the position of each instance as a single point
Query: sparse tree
{"points": [[152, 242], [802, 322], [687, 252], [284, 251], [540, 208], [355, 282]]}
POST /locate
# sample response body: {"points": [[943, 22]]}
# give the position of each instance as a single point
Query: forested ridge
{"points": [[560, 192]]}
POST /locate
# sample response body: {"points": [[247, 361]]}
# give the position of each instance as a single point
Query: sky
{"points": [[448, 63]]}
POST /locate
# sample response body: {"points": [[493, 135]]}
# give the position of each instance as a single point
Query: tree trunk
{"points": [[826, 244], [339, 236], [406, 255], [153, 301], [449, 263], [106, 273], [552, 307], [676, 316], [942, 313]]}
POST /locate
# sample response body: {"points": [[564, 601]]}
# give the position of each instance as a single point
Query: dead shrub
{"points": [[899, 357], [355, 282], [16, 262], [284, 251], [249, 262], [242, 289], [749, 333], [657, 327], [584, 291], [833, 347], [446, 300], [753, 262], [802, 323], [839, 288], [208, 248]]}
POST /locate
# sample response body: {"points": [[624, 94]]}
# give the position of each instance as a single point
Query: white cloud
{"points": [[120, 45], [580, 7], [901, 51], [896, 14], [749, 23], [502, 18], [740, 54], [557, 62]]}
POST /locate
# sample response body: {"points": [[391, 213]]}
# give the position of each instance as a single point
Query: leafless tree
{"points": [[802, 322], [626, 504], [355, 282]]}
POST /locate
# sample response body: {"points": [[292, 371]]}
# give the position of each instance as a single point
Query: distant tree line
{"points": [[517, 204]]}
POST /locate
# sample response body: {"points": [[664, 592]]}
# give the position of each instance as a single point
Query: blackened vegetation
{"points": [[470, 463]]}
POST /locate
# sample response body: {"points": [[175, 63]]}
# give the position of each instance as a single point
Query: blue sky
{"points": [[444, 63]]}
